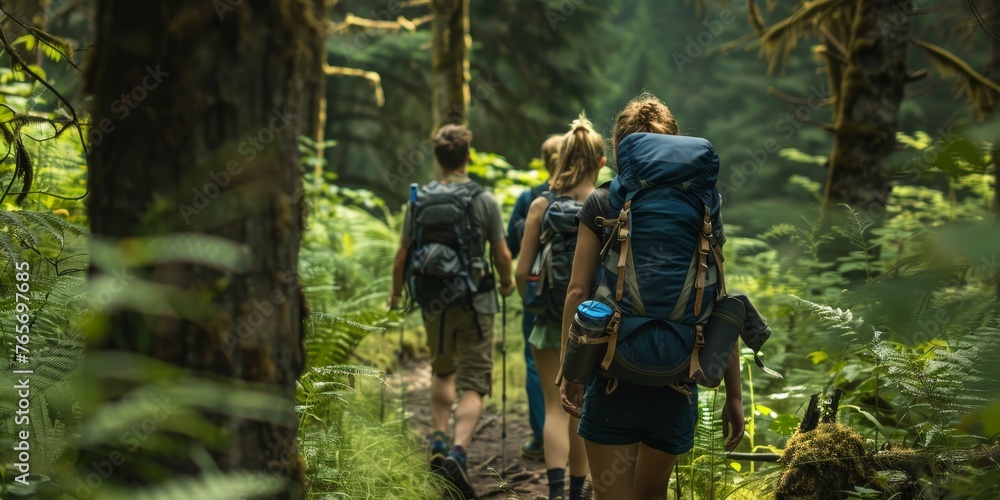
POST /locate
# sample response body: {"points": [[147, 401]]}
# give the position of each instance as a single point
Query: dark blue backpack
{"points": [[446, 259], [545, 290], [662, 266]]}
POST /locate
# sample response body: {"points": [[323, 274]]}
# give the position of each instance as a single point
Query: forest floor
{"points": [[525, 477]]}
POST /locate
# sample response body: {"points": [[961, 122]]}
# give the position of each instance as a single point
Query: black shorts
{"points": [[658, 417]]}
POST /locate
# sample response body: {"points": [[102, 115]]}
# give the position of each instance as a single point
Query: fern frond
{"points": [[359, 370], [199, 249], [53, 47], [855, 230], [7, 245], [214, 485]]}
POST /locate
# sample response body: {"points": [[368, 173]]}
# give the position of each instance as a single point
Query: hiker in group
{"points": [[542, 277], [635, 432], [448, 273], [533, 448]]}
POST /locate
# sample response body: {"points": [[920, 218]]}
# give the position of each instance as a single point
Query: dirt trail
{"points": [[526, 477]]}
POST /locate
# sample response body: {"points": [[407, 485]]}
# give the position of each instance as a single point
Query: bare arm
{"points": [[732, 410], [398, 266], [502, 260], [529, 243], [585, 262]]}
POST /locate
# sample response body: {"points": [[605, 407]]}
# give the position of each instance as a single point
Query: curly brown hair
{"points": [[645, 113], [451, 146]]}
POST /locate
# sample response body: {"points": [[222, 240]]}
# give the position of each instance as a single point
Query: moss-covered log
{"points": [[832, 460]]}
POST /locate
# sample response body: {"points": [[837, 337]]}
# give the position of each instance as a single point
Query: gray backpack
{"points": [[545, 292], [446, 265]]}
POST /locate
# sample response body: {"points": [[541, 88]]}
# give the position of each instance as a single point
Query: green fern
{"points": [[214, 485], [332, 339]]}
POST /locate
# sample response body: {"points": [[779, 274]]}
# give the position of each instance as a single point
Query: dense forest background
{"points": [[207, 195]]}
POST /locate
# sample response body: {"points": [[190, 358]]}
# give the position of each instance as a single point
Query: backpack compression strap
{"points": [[706, 244], [620, 228], [704, 247]]}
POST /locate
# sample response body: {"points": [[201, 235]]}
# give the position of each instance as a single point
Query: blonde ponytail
{"points": [[579, 156]]}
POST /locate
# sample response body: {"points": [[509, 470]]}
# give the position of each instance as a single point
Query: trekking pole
{"points": [[503, 389], [402, 378]]}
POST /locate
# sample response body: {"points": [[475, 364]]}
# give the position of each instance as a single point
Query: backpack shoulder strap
{"points": [[704, 247]]}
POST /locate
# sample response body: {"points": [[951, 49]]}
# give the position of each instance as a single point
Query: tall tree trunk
{"points": [[197, 111], [871, 90], [450, 61], [993, 72]]}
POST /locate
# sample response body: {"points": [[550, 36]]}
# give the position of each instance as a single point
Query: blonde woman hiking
{"points": [[542, 277]]}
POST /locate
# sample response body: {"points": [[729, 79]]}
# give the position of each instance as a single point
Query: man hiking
{"points": [[443, 257]]}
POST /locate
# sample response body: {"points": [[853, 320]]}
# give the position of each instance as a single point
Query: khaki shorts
{"points": [[462, 341]]}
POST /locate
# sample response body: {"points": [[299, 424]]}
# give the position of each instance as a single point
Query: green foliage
{"points": [[502, 179]]}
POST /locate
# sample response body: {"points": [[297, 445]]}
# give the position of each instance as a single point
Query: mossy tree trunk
{"points": [[992, 14], [993, 73], [206, 143], [867, 107], [450, 61]]}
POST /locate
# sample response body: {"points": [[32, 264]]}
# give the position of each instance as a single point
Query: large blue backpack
{"points": [[662, 266]]}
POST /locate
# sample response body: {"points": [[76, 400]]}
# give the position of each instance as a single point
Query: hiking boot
{"points": [[438, 451], [533, 449], [455, 471]]}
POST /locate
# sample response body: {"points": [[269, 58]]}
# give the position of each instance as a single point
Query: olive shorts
{"points": [[546, 335], [461, 341]]}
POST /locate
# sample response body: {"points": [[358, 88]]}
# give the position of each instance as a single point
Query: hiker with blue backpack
{"points": [[534, 448], [649, 252], [449, 275], [542, 275]]}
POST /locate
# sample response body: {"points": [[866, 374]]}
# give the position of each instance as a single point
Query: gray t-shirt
{"points": [[488, 221]]}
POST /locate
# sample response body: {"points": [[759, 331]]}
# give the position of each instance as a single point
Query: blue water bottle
{"points": [[413, 192], [583, 357]]}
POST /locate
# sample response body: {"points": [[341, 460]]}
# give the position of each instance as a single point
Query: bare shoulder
{"points": [[538, 206]]}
